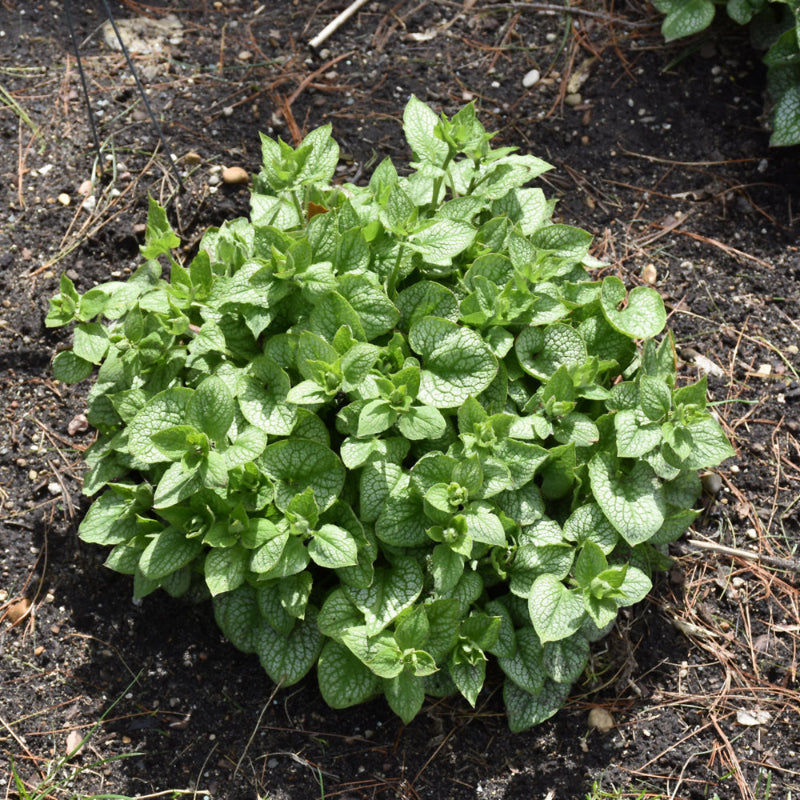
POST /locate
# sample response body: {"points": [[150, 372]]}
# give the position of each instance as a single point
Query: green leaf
{"points": [[484, 526], [377, 314], [238, 617], [176, 484], [225, 569], [375, 417], [333, 547], [247, 447], [684, 17], [297, 464], [344, 680], [412, 629], [167, 552], [655, 397], [526, 710], [634, 587], [643, 317], [442, 241], [525, 667], [178, 440], [159, 237], [426, 299], [71, 368], [422, 422], [563, 241], [110, 520], [456, 362], [446, 567], [587, 524], [468, 674], [91, 342], [555, 611], [392, 590], [443, 617], [419, 124], [266, 406], [271, 607], [710, 446], [632, 501], [211, 408], [542, 352], [338, 615], [402, 522], [295, 591], [636, 435], [786, 117], [405, 694], [506, 644], [590, 563], [165, 410], [565, 660], [288, 659]]}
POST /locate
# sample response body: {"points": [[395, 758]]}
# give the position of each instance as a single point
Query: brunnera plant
{"points": [[392, 430]]}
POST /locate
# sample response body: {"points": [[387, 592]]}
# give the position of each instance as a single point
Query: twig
{"points": [[525, 6], [255, 730], [335, 23], [787, 564]]}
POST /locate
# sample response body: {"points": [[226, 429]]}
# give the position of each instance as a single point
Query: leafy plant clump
{"points": [[391, 429], [774, 26]]}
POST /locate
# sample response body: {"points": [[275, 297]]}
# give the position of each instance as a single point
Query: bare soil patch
{"points": [[660, 152]]}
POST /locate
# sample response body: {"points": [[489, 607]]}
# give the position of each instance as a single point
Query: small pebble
{"points": [[192, 158], [33, 475], [85, 188], [235, 175], [244, 55], [601, 719], [531, 78], [649, 273], [39, 650], [712, 483], [227, 111], [18, 609], [54, 488], [573, 99], [79, 422], [64, 199]]}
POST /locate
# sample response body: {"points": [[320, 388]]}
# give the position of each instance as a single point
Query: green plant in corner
{"points": [[774, 28], [392, 430]]}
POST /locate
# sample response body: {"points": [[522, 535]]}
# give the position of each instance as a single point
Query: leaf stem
{"points": [[395, 276]]}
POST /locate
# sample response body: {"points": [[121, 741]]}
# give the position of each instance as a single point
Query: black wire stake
{"points": [[89, 111], [139, 86], [143, 94]]}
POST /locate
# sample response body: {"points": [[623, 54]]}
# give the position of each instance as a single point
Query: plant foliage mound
{"points": [[774, 26], [392, 430]]}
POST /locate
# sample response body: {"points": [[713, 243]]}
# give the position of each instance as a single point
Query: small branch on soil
{"points": [[525, 6], [335, 23], [787, 564]]}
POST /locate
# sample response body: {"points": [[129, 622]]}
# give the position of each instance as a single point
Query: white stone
{"points": [[531, 78]]}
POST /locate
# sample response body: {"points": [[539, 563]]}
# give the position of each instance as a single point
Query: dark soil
{"points": [[664, 157]]}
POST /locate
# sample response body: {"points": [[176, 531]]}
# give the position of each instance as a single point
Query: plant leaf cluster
{"points": [[392, 430], [774, 26]]}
